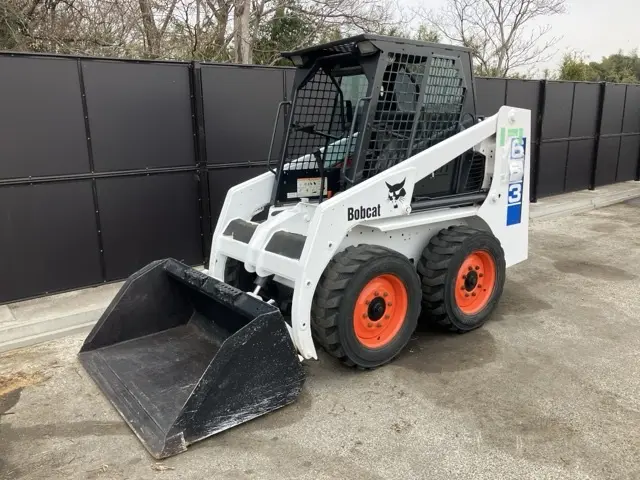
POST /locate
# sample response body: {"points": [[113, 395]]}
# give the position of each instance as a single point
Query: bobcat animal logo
{"points": [[396, 192]]}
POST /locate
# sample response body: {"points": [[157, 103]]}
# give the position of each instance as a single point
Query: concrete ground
{"points": [[549, 388]]}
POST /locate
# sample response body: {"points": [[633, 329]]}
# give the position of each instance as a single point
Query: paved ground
{"points": [[550, 388]]}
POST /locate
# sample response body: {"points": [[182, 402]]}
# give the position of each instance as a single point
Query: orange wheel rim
{"points": [[475, 282], [380, 311]]}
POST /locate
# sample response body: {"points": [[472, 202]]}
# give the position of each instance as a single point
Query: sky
{"points": [[593, 28], [597, 28]]}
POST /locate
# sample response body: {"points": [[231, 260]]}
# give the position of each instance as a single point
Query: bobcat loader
{"points": [[390, 201]]}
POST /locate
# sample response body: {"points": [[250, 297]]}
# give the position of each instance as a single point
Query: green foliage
{"points": [[618, 68], [573, 67], [288, 29], [425, 34]]}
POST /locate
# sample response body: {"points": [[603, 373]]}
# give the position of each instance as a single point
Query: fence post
{"points": [[596, 143], [94, 187], [542, 94], [200, 143]]}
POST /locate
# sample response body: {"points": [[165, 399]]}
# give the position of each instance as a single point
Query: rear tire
{"points": [[463, 273], [366, 305]]}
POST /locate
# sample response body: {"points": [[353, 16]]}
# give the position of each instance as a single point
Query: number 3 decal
{"points": [[515, 193]]}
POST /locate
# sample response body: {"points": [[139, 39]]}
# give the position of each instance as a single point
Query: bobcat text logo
{"points": [[396, 192], [362, 213]]}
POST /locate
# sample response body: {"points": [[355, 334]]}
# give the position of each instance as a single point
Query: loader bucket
{"points": [[183, 356]]}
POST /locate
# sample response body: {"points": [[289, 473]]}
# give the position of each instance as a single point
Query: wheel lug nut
{"points": [[369, 324], [470, 268], [481, 274], [364, 315], [387, 317], [376, 294], [462, 287], [464, 277], [388, 304], [479, 286], [367, 302], [466, 294], [473, 294], [477, 267], [385, 294], [379, 325]]}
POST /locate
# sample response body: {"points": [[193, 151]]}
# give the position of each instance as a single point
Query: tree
{"points": [[619, 68], [152, 32], [286, 30], [245, 31], [501, 33], [573, 67]]}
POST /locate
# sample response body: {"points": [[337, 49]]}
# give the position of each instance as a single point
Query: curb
{"points": [[30, 333], [26, 333], [582, 206]]}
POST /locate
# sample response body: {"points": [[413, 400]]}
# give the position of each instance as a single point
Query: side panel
{"points": [[506, 210]]}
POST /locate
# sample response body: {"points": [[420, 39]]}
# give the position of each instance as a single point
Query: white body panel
{"points": [[332, 225]]}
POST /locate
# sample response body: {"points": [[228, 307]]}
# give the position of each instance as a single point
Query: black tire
{"points": [[439, 268], [333, 309]]}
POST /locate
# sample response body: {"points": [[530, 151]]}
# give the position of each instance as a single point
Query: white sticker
{"points": [[310, 187]]}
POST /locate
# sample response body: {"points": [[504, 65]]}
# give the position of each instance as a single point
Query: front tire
{"points": [[463, 274], [366, 305]]}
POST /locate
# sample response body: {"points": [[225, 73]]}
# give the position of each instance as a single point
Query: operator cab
{"points": [[363, 104]]}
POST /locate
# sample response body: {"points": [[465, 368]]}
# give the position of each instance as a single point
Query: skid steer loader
{"points": [[390, 200]]}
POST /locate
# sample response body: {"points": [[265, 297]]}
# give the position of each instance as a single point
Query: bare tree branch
{"points": [[500, 33]]}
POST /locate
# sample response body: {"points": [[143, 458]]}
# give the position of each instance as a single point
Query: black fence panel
{"points": [[629, 158], [147, 218], [490, 96], [106, 165], [610, 130], [525, 94], [584, 120], [98, 173], [139, 114], [48, 239], [240, 106], [584, 129], [555, 134], [553, 163], [557, 111], [608, 152], [41, 121], [579, 160]]}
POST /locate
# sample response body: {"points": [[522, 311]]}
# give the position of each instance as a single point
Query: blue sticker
{"points": [[517, 150]]}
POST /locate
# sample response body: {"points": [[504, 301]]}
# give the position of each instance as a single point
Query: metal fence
{"points": [[106, 165]]}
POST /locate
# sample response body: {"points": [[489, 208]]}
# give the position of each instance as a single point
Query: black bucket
{"points": [[183, 356]]}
